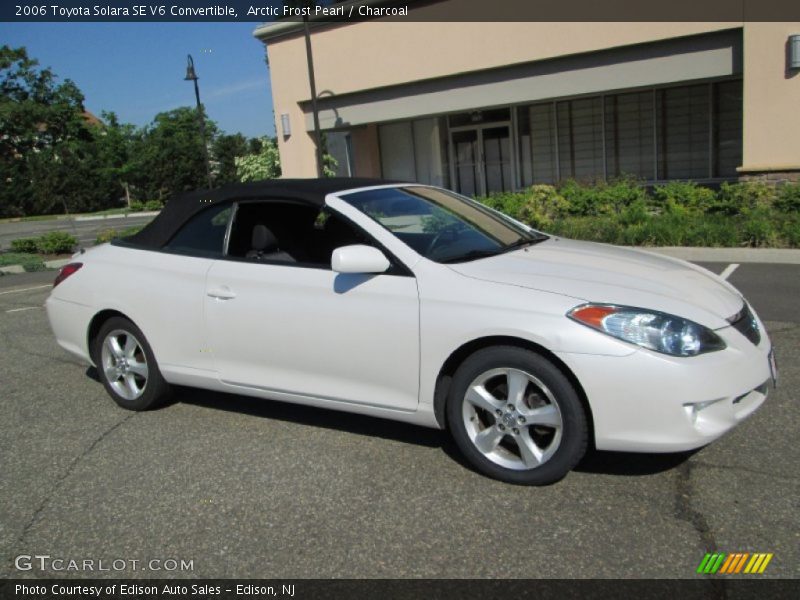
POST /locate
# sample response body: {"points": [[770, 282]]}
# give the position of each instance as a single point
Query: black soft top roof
{"points": [[183, 207]]}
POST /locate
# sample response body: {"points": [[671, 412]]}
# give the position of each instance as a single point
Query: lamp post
{"points": [[192, 76]]}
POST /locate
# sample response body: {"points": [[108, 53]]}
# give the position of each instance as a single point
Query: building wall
{"points": [[375, 54], [771, 101]]}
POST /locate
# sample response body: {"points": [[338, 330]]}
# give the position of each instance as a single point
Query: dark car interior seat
{"points": [[264, 246]]}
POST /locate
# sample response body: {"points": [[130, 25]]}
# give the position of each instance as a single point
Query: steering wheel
{"points": [[448, 230]]}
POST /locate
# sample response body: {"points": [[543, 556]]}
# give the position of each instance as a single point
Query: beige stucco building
{"points": [[483, 107]]}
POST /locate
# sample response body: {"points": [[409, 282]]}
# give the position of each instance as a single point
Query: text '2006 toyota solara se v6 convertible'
{"points": [[412, 303]]}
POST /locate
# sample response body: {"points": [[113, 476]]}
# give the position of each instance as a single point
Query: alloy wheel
{"points": [[512, 418], [124, 364]]}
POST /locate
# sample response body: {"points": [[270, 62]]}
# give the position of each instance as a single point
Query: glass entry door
{"points": [[482, 159]]}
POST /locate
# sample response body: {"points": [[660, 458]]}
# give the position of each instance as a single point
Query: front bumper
{"points": [[650, 402]]}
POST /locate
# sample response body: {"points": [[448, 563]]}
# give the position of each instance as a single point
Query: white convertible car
{"points": [[412, 303]]}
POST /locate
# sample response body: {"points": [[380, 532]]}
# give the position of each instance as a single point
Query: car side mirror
{"points": [[359, 259]]}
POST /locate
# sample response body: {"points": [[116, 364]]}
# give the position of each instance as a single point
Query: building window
{"points": [[629, 133], [537, 144], [580, 138], [414, 151], [727, 128], [339, 145], [684, 125], [681, 132]]}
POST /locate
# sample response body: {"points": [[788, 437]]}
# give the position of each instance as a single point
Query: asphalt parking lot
{"points": [[248, 488]]}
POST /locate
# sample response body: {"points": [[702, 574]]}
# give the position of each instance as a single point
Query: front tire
{"points": [[516, 417], [127, 367]]}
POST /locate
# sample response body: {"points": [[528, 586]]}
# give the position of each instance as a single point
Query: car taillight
{"points": [[66, 271]]}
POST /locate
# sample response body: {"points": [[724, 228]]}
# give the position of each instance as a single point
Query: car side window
{"points": [[289, 233], [203, 234]]}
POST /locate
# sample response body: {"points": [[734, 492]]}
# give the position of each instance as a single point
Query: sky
{"points": [[136, 69]]}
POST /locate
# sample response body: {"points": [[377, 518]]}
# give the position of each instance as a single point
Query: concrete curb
{"points": [[11, 269], [57, 264], [781, 256], [147, 213]]}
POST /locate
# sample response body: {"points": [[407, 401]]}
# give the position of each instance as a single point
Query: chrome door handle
{"points": [[221, 293]]}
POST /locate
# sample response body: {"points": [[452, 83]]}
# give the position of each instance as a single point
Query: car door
{"points": [[166, 288], [301, 328]]}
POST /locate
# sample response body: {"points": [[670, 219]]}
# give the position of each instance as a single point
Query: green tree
{"points": [[168, 156], [43, 135], [225, 150], [115, 145], [266, 164]]}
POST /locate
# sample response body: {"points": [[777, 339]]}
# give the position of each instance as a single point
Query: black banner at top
{"points": [[408, 10]]}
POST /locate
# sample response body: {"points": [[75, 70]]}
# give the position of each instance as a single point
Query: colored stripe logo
{"points": [[733, 563]]}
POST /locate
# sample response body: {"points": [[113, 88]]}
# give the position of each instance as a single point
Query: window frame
{"points": [[195, 254], [396, 266]]}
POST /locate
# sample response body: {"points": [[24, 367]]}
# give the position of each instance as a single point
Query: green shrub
{"points": [[105, 235], [741, 198], [602, 198], [582, 200], [153, 205], [509, 203], [542, 205], [56, 242], [788, 198], [636, 213], [29, 262], [790, 232], [679, 197], [136, 206], [758, 229], [25, 245]]}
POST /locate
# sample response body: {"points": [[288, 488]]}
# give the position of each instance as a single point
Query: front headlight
{"points": [[650, 329]]}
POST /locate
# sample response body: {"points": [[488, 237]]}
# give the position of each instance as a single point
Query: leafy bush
{"points": [[25, 245], [788, 198], [136, 206], [679, 197], [56, 242], [741, 198], [153, 205], [602, 198], [29, 262], [509, 203], [752, 214]]}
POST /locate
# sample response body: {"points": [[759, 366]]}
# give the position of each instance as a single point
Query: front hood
{"points": [[610, 274]]}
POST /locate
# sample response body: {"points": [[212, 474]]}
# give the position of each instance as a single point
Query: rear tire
{"points": [[516, 417], [127, 367]]}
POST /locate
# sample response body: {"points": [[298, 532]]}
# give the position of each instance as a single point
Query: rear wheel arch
{"points": [[459, 355], [97, 323]]}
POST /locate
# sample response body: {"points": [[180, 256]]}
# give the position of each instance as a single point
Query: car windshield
{"points": [[440, 225]]}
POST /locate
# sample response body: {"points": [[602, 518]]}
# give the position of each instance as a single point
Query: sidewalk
{"points": [[781, 256]]}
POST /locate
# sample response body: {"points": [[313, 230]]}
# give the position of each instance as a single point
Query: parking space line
{"points": [[729, 270], [38, 287], [23, 308]]}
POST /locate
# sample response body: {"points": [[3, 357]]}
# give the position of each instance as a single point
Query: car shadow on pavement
{"points": [[629, 464], [309, 415]]}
